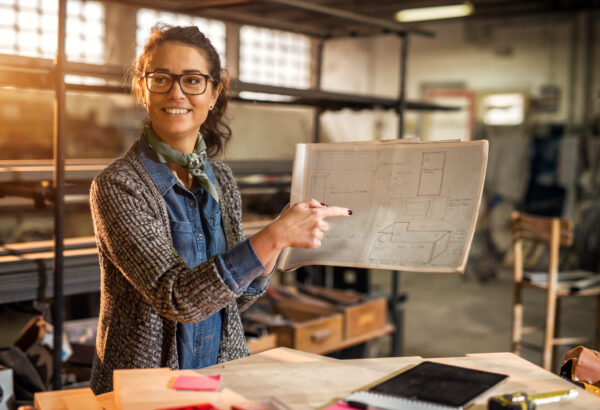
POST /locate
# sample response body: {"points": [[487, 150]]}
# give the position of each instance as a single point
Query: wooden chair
{"points": [[556, 233]]}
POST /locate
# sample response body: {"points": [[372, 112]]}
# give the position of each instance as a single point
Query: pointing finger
{"points": [[335, 211]]}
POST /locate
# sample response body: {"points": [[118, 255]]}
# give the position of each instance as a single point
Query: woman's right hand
{"points": [[301, 226]]}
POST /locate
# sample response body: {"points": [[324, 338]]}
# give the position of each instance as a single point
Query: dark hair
{"points": [[215, 131]]}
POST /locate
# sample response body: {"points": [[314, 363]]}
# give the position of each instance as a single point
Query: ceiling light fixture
{"points": [[435, 13]]}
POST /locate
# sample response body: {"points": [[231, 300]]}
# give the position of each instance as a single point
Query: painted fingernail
{"points": [[323, 204], [349, 211]]}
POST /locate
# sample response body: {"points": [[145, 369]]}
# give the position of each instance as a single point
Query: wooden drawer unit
{"points": [[358, 318], [365, 317], [309, 331], [260, 344]]}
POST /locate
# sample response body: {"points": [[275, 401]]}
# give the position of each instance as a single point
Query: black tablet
{"points": [[431, 385]]}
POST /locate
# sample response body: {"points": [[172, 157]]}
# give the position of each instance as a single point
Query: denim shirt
{"points": [[197, 235]]}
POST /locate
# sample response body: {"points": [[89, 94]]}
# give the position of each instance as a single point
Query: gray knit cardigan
{"points": [[146, 287]]}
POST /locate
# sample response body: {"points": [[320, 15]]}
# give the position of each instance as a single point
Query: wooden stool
{"points": [[556, 233]]}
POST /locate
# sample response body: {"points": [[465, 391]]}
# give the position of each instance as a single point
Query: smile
{"points": [[176, 111]]}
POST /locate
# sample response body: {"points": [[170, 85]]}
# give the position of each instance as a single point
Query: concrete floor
{"points": [[452, 315]]}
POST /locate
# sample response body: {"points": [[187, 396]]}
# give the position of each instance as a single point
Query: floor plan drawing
{"points": [[418, 208], [344, 178], [424, 246], [432, 173], [414, 204]]}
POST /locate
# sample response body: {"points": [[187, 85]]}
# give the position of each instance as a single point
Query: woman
{"points": [[176, 270]]}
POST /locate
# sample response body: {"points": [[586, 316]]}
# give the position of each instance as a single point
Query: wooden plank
{"points": [[144, 389], [74, 399], [107, 401], [84, 400]]}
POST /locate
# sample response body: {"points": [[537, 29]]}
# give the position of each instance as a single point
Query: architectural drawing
{"points": [[423, 245], [432, 173], [418, 208], [414, 204], [347, 178]]}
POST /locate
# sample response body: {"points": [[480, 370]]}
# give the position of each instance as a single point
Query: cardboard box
{"points": [[7, 395]]}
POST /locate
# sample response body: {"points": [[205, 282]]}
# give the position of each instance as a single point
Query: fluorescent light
{"points": [[435, 13]]}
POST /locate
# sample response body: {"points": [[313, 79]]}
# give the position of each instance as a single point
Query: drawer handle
{"points": [[366, 320], [320, 335]]}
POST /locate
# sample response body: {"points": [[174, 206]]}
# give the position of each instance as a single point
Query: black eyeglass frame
{"points": [[177, 78]]}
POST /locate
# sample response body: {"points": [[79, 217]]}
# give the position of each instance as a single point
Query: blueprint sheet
{"points": [[414, 204]]}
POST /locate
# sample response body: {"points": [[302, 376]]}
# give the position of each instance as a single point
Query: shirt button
{"points": [[200, 236], [191, 202]]}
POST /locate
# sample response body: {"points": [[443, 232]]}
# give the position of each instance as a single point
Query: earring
{"points": [[210, 107]]}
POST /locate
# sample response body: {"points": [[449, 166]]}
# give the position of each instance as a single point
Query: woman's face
{"points": [[176, 115]]}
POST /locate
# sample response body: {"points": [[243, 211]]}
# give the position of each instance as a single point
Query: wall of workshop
{"points": [[262, 131], [509, 55]]}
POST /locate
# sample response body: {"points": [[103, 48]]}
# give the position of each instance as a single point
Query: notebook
{"points": [[428, 386]]}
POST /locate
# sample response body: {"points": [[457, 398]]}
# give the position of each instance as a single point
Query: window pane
{"points": [[8, 17], [274, 57], [49, 23], [27, 40], [213, 29], [32, 4], [28, 20], [29, 27], [8, 38]]}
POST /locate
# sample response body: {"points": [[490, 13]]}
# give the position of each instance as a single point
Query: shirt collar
{"points": [[160, 172]]}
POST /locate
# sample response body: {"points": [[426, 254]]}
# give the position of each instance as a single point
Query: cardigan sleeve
{"points": [[132, 235]]}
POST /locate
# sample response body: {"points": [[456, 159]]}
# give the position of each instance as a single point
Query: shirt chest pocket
{"points": [[214, 222], [217, 244], [184, 242]]}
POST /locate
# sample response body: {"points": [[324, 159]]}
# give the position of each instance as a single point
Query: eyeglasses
{"points": [[161, 83]]}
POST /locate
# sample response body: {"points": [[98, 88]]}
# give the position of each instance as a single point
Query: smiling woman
{"points": [[183, 51], [176, 269], [178, 109]]}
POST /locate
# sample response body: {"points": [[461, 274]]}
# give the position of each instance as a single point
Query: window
{"points": [[85, 31], [213, 29], [274, 57], [503, 109], [29, 28]]}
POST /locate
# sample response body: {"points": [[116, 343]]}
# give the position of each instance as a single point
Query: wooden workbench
{"points": [[288, 379]]}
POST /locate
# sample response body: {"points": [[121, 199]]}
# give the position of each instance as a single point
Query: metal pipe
{"points": [[402, 96], [393, 306], [396, 336], [318, 72], [573, 58], [588, 77], [59, 190], [349, 16]]}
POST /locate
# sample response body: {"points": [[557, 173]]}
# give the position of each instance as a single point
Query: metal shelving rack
{"points": [[44, 74]]}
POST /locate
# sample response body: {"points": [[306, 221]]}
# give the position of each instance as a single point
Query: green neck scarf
{"points": [[195, 162]]}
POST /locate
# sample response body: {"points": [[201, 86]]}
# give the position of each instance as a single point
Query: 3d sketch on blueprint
{"points": [[414, 204]]}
